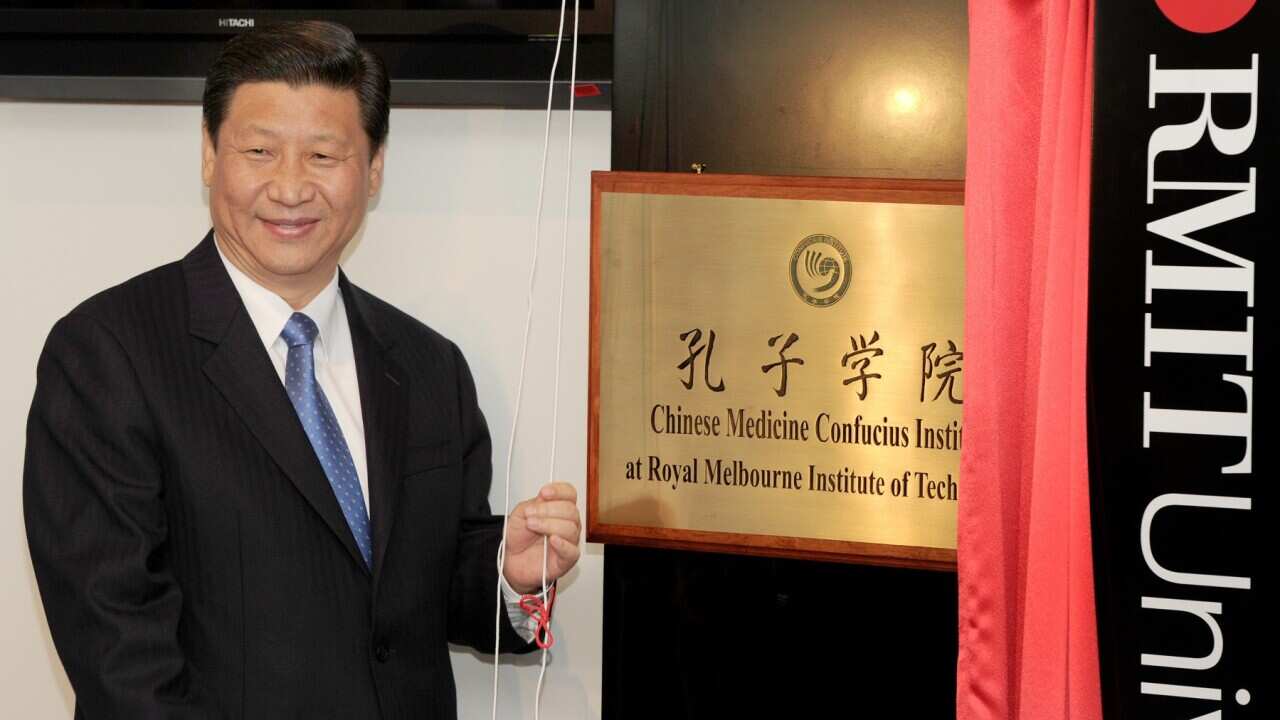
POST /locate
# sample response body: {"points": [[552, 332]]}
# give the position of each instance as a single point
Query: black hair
{"points": [[301, 53]]}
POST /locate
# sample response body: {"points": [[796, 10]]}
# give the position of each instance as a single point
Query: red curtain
{"points": [[1028, 637]]}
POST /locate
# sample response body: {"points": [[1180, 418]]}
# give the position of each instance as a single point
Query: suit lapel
{"points": [[384, 405], [242, 371]]}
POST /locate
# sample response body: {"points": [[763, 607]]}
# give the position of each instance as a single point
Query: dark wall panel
{"points": [[870, 88]]}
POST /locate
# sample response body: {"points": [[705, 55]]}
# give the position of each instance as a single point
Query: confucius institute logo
{"points": [[820, 270]]}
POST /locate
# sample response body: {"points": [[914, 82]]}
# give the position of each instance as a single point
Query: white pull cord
{"points": [[524, 351], [555, 393]]}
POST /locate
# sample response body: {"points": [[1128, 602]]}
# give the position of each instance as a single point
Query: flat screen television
{"points": [[438, 52]]}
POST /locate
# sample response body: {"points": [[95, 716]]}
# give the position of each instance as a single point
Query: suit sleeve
{"points": [[473, 591], [96, 527]]}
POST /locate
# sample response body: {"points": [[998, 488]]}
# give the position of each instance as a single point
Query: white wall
{"points": [[91, 194]]}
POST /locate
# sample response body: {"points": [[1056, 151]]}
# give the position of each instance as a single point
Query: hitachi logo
{"points": [[235, 22]]}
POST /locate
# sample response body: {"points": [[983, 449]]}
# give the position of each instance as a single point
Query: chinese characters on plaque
{"points": [[937, 368]]}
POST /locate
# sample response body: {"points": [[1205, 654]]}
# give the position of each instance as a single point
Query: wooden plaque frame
{"points": [[937, 192]]}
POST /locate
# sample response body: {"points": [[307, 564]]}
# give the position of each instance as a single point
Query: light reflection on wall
{"points": [[905, 100]]}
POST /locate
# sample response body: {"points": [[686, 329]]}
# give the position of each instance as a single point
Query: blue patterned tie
{"points": [[322, 427]]}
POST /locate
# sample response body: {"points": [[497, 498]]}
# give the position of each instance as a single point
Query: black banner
{"points": [[1184, 281]]}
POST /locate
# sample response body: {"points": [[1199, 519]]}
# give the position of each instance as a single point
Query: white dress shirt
{"points": [[335, 360], [335, 366]]}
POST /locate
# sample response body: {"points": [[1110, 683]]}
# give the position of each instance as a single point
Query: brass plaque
{"points": [[777, 365]]}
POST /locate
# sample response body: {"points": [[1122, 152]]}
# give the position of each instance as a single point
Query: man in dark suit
{"points": [[252, 489]]}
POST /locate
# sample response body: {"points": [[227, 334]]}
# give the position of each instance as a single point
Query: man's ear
{"points": [[207, 155], [375, 170]]}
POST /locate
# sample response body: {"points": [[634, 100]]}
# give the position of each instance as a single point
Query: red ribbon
{"points": [[534, 607]]}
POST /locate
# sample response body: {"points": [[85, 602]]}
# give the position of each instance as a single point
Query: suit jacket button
{"points": [[382, 653]]}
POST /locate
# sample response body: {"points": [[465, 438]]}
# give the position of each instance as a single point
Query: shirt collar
{"points": [[270, 312]]}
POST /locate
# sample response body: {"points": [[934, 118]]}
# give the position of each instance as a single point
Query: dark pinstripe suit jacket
{"points": [[192, 559]]}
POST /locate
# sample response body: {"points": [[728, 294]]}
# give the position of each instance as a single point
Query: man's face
{"points": [[289, 182]]}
